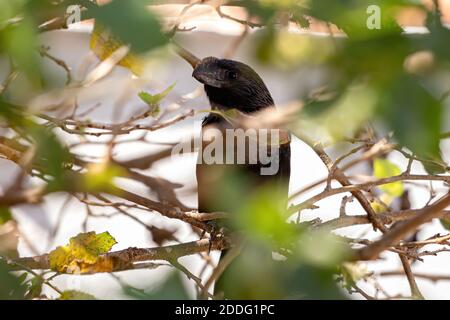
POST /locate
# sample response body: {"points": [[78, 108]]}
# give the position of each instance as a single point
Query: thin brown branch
{"points": [[342, 179], [401, 231], [44, 52], [240, 21], [165, 210], [430, 277], [366, 186], [387, 218]]}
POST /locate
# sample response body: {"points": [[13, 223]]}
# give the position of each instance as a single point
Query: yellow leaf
{"points": [[385, 169], [378, 207], [103, 44], [81, 252]]}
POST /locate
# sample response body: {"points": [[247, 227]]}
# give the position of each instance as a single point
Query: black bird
{"points": [[230, 85]]}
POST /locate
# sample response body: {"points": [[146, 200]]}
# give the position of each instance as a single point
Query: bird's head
{"points": [[232, 84]]}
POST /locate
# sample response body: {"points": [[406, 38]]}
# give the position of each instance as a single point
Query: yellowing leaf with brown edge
{"points": [[81, 252], [103, 44]]}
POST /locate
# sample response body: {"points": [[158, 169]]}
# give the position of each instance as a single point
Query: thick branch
{"points": [[125, 259]]}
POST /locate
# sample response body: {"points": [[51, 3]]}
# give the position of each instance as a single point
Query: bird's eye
{"points": [[232, 75]]}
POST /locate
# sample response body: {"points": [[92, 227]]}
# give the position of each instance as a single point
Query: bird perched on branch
{"points": [[234, 85]]}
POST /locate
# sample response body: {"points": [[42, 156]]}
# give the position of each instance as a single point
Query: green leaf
{"points": [[85, 248], [153, 100], [76, 295], [35, 289], [385, 169]]}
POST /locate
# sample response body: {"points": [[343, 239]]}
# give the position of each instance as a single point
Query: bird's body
{"points": [[233, 85]]}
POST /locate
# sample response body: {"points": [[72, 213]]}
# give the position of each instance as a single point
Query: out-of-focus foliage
{"points": [[50, 157], [131, 22], [351, 273], [396, 85], [19, 39], [445, 223], [9, 234], [21, 22], [100, 176], [35, 288], [103, 44], [75, 295], [12, 288], [306, 261], [170, 289], [5, 215], [81, 252], [376, 74]]}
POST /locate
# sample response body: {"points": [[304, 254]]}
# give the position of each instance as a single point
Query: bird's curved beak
{"points": [[204, 74]]}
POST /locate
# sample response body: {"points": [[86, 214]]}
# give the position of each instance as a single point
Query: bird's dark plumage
{"points": [[234, 85]]}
